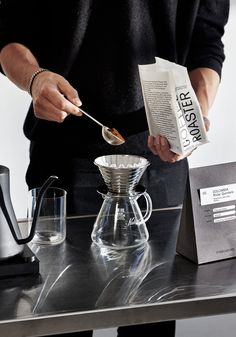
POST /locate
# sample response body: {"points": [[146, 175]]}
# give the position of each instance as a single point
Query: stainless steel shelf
{"points": [[82, 287]]}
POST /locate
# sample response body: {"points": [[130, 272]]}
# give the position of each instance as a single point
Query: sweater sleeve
{"points": [[207, 48], [18, 20]]}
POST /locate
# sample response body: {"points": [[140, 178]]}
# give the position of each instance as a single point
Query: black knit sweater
{"points": [[98, 44]]}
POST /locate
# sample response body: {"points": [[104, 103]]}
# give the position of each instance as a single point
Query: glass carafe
{"points": [[120, 223]]}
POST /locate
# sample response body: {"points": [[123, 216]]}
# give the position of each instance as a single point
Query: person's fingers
{"points": [[160, 146], [63, 104], [44, 109], [58, 92], [163, 148], [69, 92], [206, 123], [151, 144], [58, 100]]}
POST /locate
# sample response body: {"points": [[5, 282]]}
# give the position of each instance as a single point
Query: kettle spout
{"points": [[42, 191]]}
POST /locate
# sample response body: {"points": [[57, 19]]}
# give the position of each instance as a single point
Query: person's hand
{"points": [[53, 97], [160, 146]]}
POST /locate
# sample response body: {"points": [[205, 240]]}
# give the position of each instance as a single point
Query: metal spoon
{"points": [[111, 135]]}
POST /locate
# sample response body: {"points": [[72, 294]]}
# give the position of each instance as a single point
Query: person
{"points": [[68, 54]]}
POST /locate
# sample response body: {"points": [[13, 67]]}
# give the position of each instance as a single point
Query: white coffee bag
{"points": [[171, 105]]}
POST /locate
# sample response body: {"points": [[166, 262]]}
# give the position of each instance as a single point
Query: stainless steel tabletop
{"points": [[82, 287]]}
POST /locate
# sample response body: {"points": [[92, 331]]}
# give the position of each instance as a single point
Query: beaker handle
{"points": [[148, 206]]}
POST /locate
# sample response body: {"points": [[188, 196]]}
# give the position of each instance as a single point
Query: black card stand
{"points": [[208, 229], [21, 264]]}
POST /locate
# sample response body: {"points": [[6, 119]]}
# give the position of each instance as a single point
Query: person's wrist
{"points": [[32, 78]]}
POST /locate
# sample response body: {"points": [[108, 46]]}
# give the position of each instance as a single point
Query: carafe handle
{"points": [[148, 212]]}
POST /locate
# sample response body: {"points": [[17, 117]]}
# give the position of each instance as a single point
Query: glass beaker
{"points": [[120, 223]]}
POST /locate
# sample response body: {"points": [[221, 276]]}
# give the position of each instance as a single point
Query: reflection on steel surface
{"points": [[47, 288]]}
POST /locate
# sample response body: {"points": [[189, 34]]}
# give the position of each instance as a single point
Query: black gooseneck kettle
{"points": [[11, 241]]}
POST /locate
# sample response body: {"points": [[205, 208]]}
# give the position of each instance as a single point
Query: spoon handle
{"points": [[85, 113]]}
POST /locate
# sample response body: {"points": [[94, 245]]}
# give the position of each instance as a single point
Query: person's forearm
{"points": [[205, 83], [18, 63]]}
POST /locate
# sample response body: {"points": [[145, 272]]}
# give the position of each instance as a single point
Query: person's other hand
{"points": [[160, 146], [54, 98]]}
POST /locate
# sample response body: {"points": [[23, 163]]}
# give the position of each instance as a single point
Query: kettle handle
{"points": [[42, 191]]}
